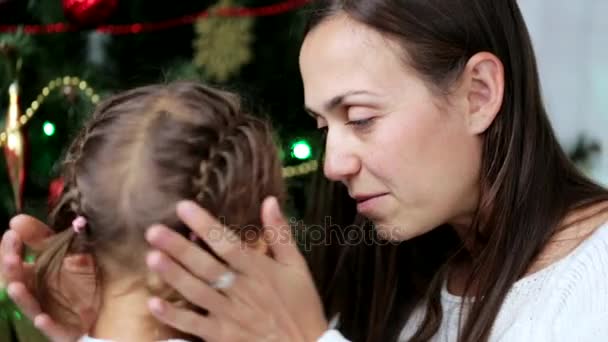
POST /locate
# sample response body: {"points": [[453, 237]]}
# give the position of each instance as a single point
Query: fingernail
{"points": [[152, 233], [154, 260], [12, 221], [11, 289], [156, 305], [9, 237], [186, 208], [39, 321], [276, 209]]}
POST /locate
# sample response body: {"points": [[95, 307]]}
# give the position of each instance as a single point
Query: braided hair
{"points": [[141, 152]]}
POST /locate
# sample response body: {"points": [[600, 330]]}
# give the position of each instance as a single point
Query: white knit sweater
{"points": [[564, 302], [90, 339]]}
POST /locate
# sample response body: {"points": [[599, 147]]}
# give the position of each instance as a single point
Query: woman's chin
{"points": [[393, 232]]}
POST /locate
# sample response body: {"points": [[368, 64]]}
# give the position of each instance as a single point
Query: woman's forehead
{"points": [[345, 40], [342, 56]]}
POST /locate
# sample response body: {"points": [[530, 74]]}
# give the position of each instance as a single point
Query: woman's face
{"points": [[405, 154]]}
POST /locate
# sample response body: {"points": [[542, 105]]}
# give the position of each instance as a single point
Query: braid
{"points": [[201, 181], [210, 179], [235, 161], [71, 202], [70, 205]]}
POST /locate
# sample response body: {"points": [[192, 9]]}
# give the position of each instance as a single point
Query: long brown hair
{"points": [[527, 183], [141, 152]]}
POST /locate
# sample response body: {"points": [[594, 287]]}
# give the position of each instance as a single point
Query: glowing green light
{"points": [[301, 150], [48, 128]]}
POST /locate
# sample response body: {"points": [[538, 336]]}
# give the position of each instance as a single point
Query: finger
{"points": [[55, 332], [184, 320], [12, 269], [254, 301], [248, 295], [195, 259], [195, 290], [278, 234], [31, 231], [10, 244], [220, 239], [28, 271], [18, 271], [24, 300]]}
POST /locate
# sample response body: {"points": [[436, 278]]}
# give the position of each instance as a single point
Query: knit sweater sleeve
{"points": [[581, 304]]}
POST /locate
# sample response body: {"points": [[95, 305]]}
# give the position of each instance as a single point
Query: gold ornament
{"points": [[14, 149], [12, 139], [222, 45]]}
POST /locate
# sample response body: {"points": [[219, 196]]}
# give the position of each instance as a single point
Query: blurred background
{"points": [[571, 43], [66, 55]]}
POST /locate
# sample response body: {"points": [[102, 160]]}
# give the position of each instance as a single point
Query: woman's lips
{"points": [[367, 204]]}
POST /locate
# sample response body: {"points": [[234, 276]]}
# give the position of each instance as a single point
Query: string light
{"points": [[48, 128], [65, 81], [301, 150], [301, 169], [136, 28]]}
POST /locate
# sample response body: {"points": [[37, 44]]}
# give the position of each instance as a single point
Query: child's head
{"points": [[142, 152]]}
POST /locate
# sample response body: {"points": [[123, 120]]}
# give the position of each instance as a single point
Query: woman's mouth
{"points": [[368, 203]]}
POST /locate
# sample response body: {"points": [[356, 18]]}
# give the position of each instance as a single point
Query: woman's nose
{"points": [[340, 162]]}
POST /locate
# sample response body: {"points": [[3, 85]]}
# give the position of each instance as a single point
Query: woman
{"points": [[436, 128]]}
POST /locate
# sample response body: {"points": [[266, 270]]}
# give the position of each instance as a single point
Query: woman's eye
{"points": [[360, 123]]}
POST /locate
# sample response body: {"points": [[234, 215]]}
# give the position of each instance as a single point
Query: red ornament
{"points": [[55, 191], [89, 12]]}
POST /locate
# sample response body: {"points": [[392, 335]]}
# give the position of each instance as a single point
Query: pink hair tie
{"points": [[78, 224]]}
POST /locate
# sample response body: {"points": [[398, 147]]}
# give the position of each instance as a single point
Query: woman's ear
{"points": [[484, 82]]}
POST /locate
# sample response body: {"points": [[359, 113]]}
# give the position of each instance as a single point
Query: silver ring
{"points": [[224, 281]]}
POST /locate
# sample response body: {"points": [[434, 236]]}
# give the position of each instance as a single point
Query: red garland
{"points": [[279, 8]]}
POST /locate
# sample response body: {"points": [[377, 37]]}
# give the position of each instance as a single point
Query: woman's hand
{"points": [[17, 275], [256, 298]]}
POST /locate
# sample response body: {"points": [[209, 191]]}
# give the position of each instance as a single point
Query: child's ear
{"points": [[80, 263]]}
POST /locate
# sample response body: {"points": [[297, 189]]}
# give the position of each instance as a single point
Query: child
{"points": [[142, 152]]}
